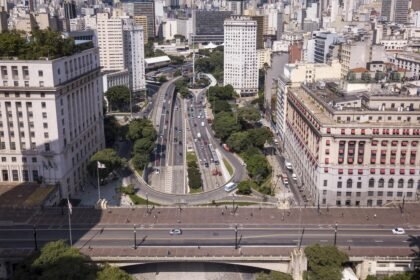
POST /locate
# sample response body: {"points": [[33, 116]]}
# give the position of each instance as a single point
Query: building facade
{"points": [[142, 8], [356, 149], [134, 55], [110, 41], [208, 25], [240, 55], [51, 119]]}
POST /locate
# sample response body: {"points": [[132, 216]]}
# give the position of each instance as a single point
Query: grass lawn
{"points": [[196, 190], [191, 157], [239, 203], [137, 200], [228, 166]]}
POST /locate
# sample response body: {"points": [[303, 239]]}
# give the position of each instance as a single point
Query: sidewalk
{"points": [[282, 193], [210, 216]]}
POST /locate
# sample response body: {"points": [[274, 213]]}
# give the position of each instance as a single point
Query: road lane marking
{"points": [[323, 241], [349, 240], [379, 241]]}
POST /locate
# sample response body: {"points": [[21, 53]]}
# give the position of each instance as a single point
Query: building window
{"points": [[410, 183], [359, 185], [338, 193], [47, 147], [34, 160], [400, 183], [35, 175], [325, 183], [43, 105], [5, 175], [339, 184], [381, 183], [40, 73], [380, 193], [391, 183], [389, 194], [349, 183], [399, 194], [15, 175], [370, 193], [25, 175], [45, 125]]}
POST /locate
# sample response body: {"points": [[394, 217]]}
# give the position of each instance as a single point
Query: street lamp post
{"points": [[233, 204], [236, 237], [335, 234], [135, 237], [147, 203], [35, 240]]}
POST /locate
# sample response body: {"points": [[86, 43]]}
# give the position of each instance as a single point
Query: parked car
{"points": [[398, 230], [288, 165]]}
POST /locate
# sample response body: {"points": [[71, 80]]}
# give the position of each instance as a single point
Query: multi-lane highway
{"points": [[121, 235]]}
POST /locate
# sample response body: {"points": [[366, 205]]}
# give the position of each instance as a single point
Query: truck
{"points": [[202, 123], [198, 135]]}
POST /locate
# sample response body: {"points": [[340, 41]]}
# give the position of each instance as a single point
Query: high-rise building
{"points": [[260, 31], [134, 55], [208, 25], [142, 8], [240, 55], [51, 120], [323, 40], [142, 21], [395, 10], [3, 20], [110, 41], [69, 9]]}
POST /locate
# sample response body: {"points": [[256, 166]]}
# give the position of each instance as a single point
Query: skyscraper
{"points": [[142, 8], [240, 55], [395, 10], [134, 55]]}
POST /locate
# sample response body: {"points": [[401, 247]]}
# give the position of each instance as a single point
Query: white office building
{"points": [[51, 119], [240, 55], [134, 55]]}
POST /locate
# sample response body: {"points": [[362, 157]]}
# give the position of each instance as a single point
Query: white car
{"points": [[398, 230], [175, 231], [294, 177], [288, 165]]}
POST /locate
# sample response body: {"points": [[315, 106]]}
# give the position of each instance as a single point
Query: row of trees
{"points": [[392, 76], [241, 131], [143, 136], [41, 43], [194, 175], [57, 260]]}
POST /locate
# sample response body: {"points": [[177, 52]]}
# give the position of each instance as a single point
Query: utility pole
{"points": [[233, 204], [147, 203], [301, 238], [236, 237], [35, 240], [135, 237], [335, 234]]}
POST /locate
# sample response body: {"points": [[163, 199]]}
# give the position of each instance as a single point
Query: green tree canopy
{"points": [[42, 43], [325, 262], [57, 260], [224, 125], [143, 145], [108, 157], [118, 98], [249, 114], [245, 187], [223, 93], [258, 167], [140, 160], [112, 130], [273, 275], [258, 136], [140, 128], [221, 106], [239, 141]]}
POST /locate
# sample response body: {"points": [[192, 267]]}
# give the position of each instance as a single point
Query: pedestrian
{"points": [[223, 212], [349, 248], [251, 214], [374, 215]]}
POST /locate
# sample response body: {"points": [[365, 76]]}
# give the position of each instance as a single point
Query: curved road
{"points": [[218, 194]]}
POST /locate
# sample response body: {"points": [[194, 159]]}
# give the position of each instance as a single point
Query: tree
{"points": [[224, 124], [273, 275], [184, 92], [118, 97], [143, 145], [325, 262], [112, 130], [379, 76], [245, 187], [239, 141], [57, 260], [140, 160], [162, 79], [177, 73], [140, 128], [259, 136], [221, 106], [366, 76], [249, 114], [113, 273], [108, 157], [257, 167]]}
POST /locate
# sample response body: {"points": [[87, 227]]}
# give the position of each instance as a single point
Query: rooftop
{"points": [[40, 45]]}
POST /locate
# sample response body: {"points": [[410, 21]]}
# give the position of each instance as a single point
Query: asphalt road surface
{"points": [[204, 235]]}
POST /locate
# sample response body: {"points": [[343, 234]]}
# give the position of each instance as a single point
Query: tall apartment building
{"points": [[395, 10], [142, 21], [354, 149], [323, 41], [110, 41], [121, 46], [51, 119], [134, 55], [142, 8], [240, 55]]}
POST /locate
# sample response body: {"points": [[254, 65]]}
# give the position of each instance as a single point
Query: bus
{"points": [[230, 186]]}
